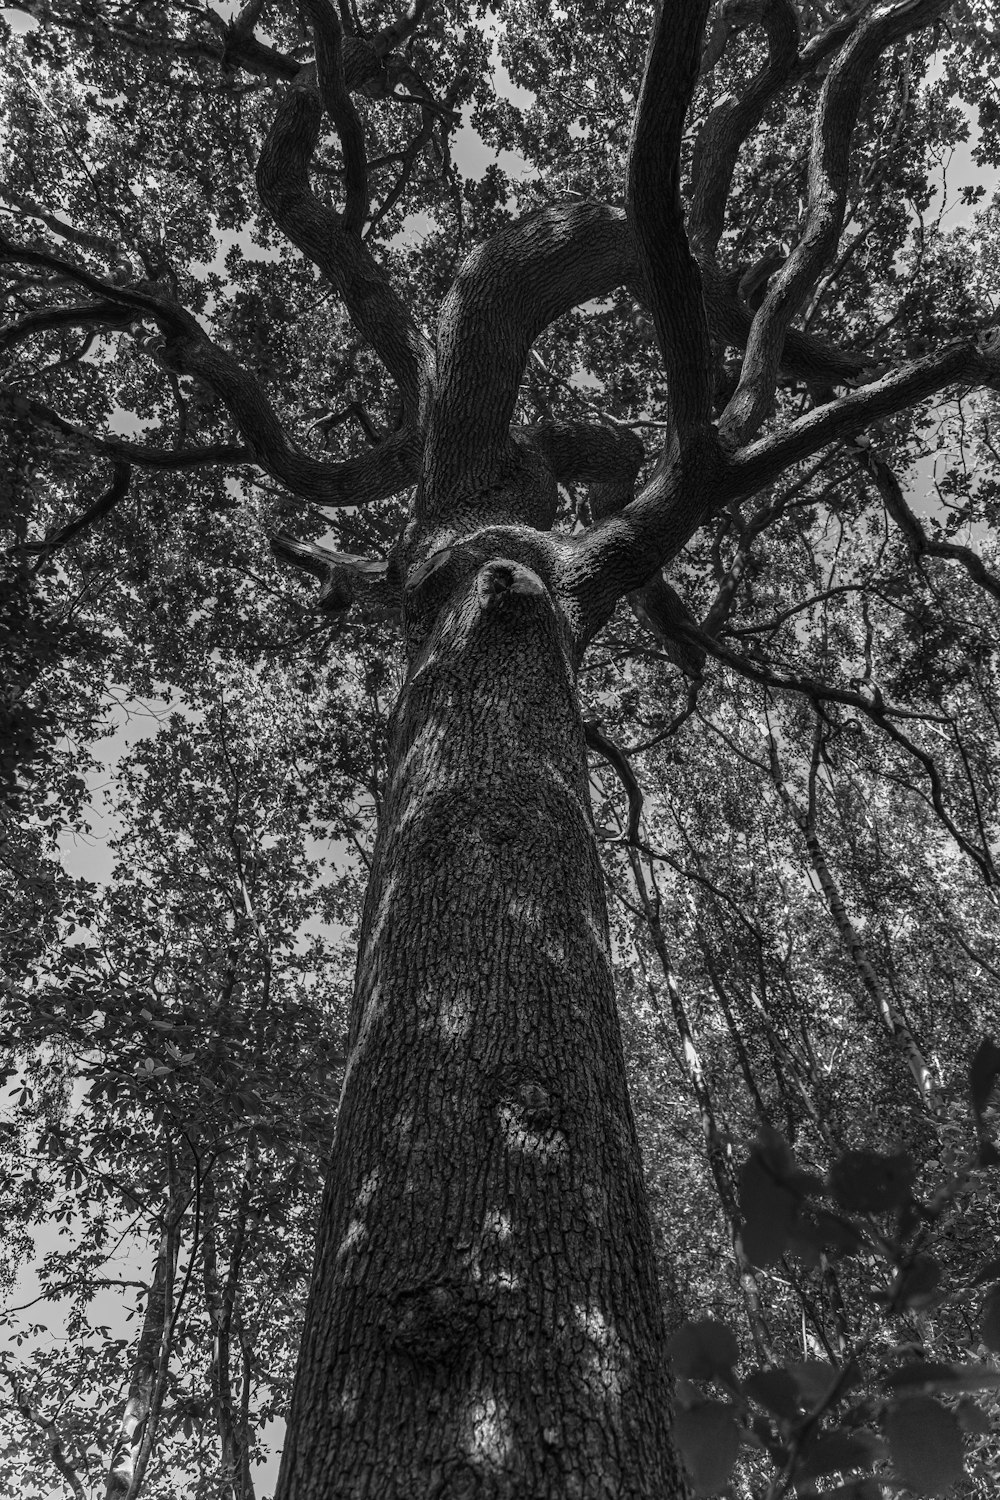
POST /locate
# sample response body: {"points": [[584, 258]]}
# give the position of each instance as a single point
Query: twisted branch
{"points": [[669, 272], [331, 242], [187, 349], [833, 127]]}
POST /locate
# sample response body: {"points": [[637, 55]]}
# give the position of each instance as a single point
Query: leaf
{"points": [[972, 1418], [820, 1232], [866, 1182], [917, 1284], [933, 1376], [983, 1073], [768, 1210], [708, 1439], [989, 1320], [775, 1391], [841, 1450], [925, 1444], [815, 1379], [704, 1350]]}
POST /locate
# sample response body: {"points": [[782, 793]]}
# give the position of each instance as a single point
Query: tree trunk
{"points": [[484, 1318], [137, 1429]]}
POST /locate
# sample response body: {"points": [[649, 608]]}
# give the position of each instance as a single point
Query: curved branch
{"points": [[339, 106], [120, 450], [919, 543], [975, 360], [506, 292], [669, 272], [121, 476], [833, 127], [732, 121], [93, 315], [593, 731], [377, 312], [188, 350]]}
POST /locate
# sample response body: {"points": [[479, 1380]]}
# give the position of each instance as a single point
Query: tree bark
{"points": [[484, 1318], [137, 1429]]}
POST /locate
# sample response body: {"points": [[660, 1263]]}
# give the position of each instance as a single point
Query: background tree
{"points": [[809, 701]]}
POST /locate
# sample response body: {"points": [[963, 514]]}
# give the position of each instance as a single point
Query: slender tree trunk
{"points": [[484, 1319], [136, 1431], [220, 1302]]}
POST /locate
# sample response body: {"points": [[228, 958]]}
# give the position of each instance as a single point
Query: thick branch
{"points": [[624, 550], [668, 270], [506, 292], [92, 315], [120, 450], [833, 127], [342, 575], [340, 108], [585, 451], [377, 312], [975, 360], [732, 121]]}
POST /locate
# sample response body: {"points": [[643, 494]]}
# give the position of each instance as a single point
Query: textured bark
{"points": [[220, 1303], [134, 1440], [485, 1319]]}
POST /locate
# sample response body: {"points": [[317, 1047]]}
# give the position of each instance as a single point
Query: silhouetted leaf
{"points": [[933, 1376], [840, 1451], [989, 1320], [972, 1418], [983, 1073], [866, 1182], [776, 1391], [769, 1209], [815, 1378], [925, 1443], [708, 1439], [704, 1350], [917, 1284]]}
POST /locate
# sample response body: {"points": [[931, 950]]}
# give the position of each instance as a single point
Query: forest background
{"points": [[805, 919]]}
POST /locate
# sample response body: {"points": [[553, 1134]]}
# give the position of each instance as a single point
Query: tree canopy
{"points": [[703, 297]]}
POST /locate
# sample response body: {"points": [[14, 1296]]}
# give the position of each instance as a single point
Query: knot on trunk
{"points": [[433, 1323]]}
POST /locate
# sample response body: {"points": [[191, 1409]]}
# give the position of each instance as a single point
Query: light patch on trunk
{"points": [[454, 1013], [527, 913], [357, 1231], [496, 1225], [490, 1439], [353, 1239], [604, 1364], [370, 1011], [545, 1145]]}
